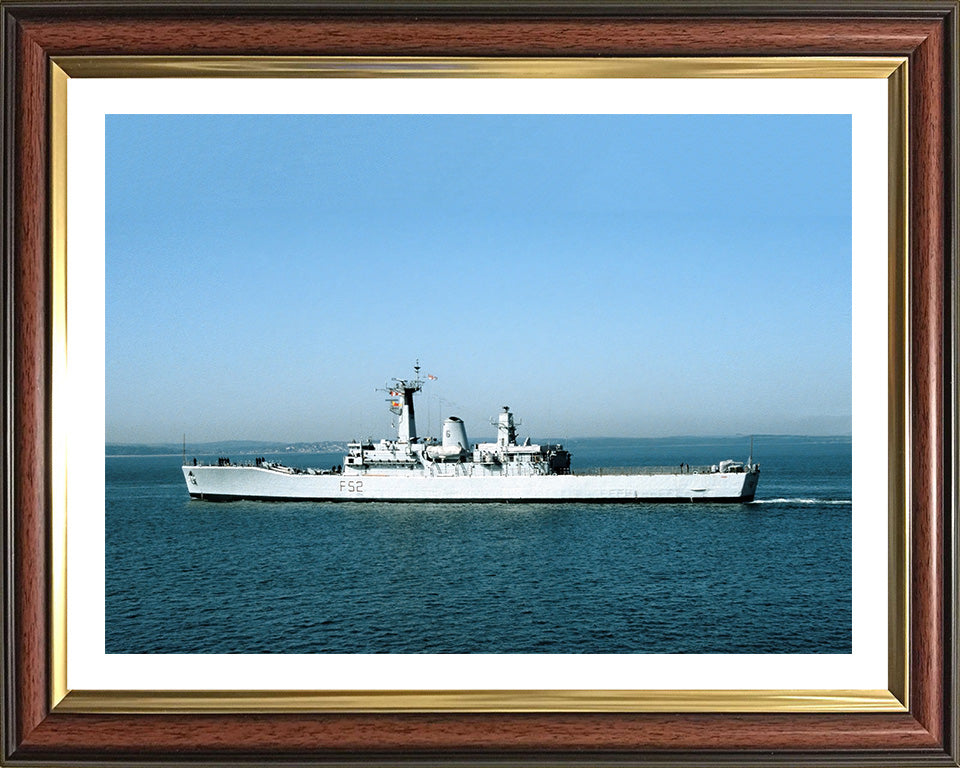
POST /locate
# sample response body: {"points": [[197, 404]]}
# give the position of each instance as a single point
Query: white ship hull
{"points": [[452, 469], [229, 483]]}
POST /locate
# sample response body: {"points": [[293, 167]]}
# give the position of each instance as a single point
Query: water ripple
{"points": [[248, 577]]}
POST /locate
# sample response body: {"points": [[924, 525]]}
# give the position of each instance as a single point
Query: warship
{"points": [[449, 469]]}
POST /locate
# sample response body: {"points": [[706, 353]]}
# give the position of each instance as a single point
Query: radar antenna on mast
{"points": [[515, 420], [400, 397], [506, 428]]}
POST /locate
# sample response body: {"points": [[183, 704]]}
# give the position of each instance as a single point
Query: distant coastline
{"points": [[224, 447], [252, 447]]}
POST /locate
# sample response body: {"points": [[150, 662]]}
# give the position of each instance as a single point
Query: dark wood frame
{"points": [[926, 32]]}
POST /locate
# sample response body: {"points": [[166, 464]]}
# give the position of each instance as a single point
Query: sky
{"points": [[603, 275]]}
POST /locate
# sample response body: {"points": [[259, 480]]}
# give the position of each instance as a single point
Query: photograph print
{"points": [[478, 384]]}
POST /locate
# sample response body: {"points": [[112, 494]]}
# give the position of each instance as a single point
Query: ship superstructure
{"points": [[413, 468], [452, 455]]}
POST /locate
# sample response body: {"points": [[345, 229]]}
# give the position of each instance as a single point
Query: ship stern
{"points": [[750, 481]]}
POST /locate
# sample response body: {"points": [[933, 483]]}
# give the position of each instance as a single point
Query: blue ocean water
{"points": [[772, 576]]}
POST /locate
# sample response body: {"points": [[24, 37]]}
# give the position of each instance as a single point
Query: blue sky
{"points": [[603, 275]]}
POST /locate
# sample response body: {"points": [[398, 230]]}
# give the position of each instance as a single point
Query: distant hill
{"points": [[258, 447], [225, 447]]}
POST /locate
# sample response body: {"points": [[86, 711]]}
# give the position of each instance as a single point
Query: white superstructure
{"points": [[411, 468]]}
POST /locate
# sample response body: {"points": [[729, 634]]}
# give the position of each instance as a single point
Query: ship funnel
{"points": [[455, 434]]}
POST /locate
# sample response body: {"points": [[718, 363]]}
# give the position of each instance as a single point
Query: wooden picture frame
{"points": [[38, 732]]}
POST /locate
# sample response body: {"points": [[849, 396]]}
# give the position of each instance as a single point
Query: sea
{"points": [[771, 576]]}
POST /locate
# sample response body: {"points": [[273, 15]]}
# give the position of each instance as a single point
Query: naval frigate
{"points": [[412, 468]]}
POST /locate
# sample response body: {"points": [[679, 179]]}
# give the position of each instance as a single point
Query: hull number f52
{"points": [[351, 486]]}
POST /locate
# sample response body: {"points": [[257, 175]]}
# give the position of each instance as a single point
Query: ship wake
{"points": [[802, 501]]}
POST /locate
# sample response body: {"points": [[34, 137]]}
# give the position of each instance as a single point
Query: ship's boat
{"points": [[412, 468]]}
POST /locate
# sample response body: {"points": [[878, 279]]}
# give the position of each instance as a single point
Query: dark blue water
{"points": [[773, 576]]}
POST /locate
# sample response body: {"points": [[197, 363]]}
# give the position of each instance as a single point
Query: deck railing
{"points": [[673, 469]]}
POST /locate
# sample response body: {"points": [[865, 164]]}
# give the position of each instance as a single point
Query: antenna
{"points": [[400, 397], [750, 460], [184, 448]]}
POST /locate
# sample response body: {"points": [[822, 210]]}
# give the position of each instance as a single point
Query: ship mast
{"points": [[506, 428], [401, 403]]}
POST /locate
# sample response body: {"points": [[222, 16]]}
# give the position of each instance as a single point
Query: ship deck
{"points": [[673, 469]]}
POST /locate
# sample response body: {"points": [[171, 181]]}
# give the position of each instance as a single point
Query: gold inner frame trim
{"points": [[898, 383], [132, 702], [432, 66], [58, 371], [893, 69]]}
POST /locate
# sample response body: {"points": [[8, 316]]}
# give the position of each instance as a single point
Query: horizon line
{"points": [[576, 437]]}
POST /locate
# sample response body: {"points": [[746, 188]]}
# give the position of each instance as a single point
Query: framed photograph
{"points": [[296, 259]]}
